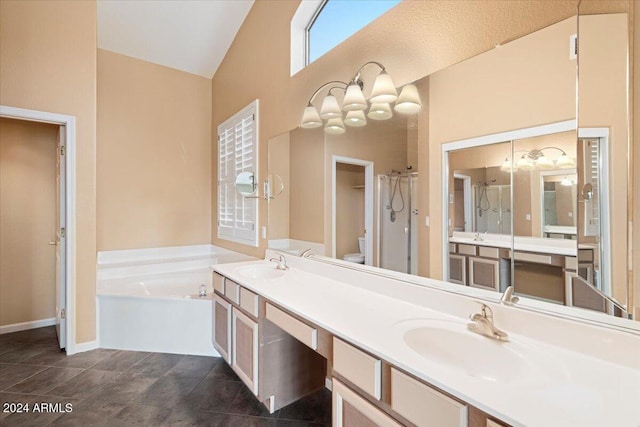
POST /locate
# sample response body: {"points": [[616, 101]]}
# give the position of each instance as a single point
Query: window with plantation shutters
{"points": [[238, 152]]}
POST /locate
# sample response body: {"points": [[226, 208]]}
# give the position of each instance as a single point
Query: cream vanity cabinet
{"points": [[273, 364], [487, 270], [368, 391]]}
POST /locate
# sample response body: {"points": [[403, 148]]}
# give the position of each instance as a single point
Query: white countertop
{"points": [[585, 390], [563, 247]]}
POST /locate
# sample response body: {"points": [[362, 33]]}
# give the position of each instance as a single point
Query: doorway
{"points": [[356, 169], [63, 237]]}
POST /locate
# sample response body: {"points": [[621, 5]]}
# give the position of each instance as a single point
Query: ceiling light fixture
{"points": [[354, 103]]}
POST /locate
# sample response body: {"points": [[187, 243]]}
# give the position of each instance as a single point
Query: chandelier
{"points": [[354, 104]]}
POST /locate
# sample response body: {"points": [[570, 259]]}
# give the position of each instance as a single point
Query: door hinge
{"points": [[63, 314], [62, 232], [62, 150]]}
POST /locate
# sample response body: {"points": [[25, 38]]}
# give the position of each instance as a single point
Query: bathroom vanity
{"points": [[543, 268], [399, 353]]}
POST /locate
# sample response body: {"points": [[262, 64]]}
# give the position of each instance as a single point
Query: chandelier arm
{"points": [[356, 77], [325, 85]]}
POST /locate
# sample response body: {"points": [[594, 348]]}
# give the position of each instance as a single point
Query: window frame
{"points": [[225, 183]]}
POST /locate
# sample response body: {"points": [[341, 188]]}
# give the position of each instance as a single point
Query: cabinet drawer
{"points": [[350, 409], [294, 327], [486, 252], [232, 290], [249, 302], [218, 283], [358, 367], [452, 248], [539, 258], [571, 263], [467, 249], [422, 405], [491, 423]]}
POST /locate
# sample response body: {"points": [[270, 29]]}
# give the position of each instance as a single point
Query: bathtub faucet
{"points": [[281, 262]]}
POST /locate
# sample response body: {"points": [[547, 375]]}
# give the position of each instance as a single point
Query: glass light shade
{"points": [[310, 118], [543, 163], [380, 111], [506, 165], [330, 108], [355, 119], [565, 162], [383, 89], [354, 99], [524, 164], [566, 182], [409, 100], [335, 126]]}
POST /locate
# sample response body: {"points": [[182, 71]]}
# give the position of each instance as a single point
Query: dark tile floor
{"points": [[128, 388]]}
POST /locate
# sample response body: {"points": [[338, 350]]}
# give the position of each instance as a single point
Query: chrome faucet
{"points": [[508, 298], [482, 323], [281, 262]]}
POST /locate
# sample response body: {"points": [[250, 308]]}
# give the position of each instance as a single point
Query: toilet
{"points": [[357, 257]]}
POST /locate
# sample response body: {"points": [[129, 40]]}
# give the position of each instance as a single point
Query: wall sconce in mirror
{"points": [[273, 186], [354, 104], [246, 183], [536, 159]]}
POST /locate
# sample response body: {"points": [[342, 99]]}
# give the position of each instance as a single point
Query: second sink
{"points": [[268, 272]]}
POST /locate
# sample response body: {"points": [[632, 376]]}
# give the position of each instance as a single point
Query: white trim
{"points": [[531, 132], [84, 346], [368, 203], [554, 172], [70, 124], [605, 221], [299, 25], [467, 200], [23, 326], [253, 240]]}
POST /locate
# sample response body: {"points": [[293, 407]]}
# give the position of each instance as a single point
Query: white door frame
{"points": [[467, 200], [368, 204], [69, 122]]}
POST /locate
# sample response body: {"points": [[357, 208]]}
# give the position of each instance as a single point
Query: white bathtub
{"points": [[154, 306]]}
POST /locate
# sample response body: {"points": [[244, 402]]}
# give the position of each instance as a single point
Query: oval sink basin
{"points": [[268, 272], [451, 345]]}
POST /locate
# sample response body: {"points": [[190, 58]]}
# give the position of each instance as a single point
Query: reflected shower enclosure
{"points": [[398, 221], [492, 208]]}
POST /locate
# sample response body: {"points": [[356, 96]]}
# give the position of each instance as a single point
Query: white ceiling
{"points": [[188, 35]]}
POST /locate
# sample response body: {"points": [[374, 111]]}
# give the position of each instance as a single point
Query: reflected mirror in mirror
{"points": [[245, 183]]}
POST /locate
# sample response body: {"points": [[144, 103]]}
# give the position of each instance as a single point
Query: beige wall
{"points": [[48, 63], [279, 161], [27, 220], [603, 58], [307, 185], [154, 168]]}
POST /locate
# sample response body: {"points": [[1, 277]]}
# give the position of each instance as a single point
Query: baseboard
{"points": [[82, 347], [17, 327]]}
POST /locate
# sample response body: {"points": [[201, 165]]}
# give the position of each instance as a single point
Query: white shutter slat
{"points": [[237, 215]]}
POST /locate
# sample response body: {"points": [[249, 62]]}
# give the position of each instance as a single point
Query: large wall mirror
{"points": [[498, 181]]}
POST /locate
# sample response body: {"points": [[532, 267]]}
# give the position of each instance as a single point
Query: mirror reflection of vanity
{"points": [[474, 215]]}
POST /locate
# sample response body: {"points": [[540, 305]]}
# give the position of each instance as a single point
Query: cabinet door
{"points": [[484, 273], [458, 269], [352, 410], [244, 354], [222, 326]]}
